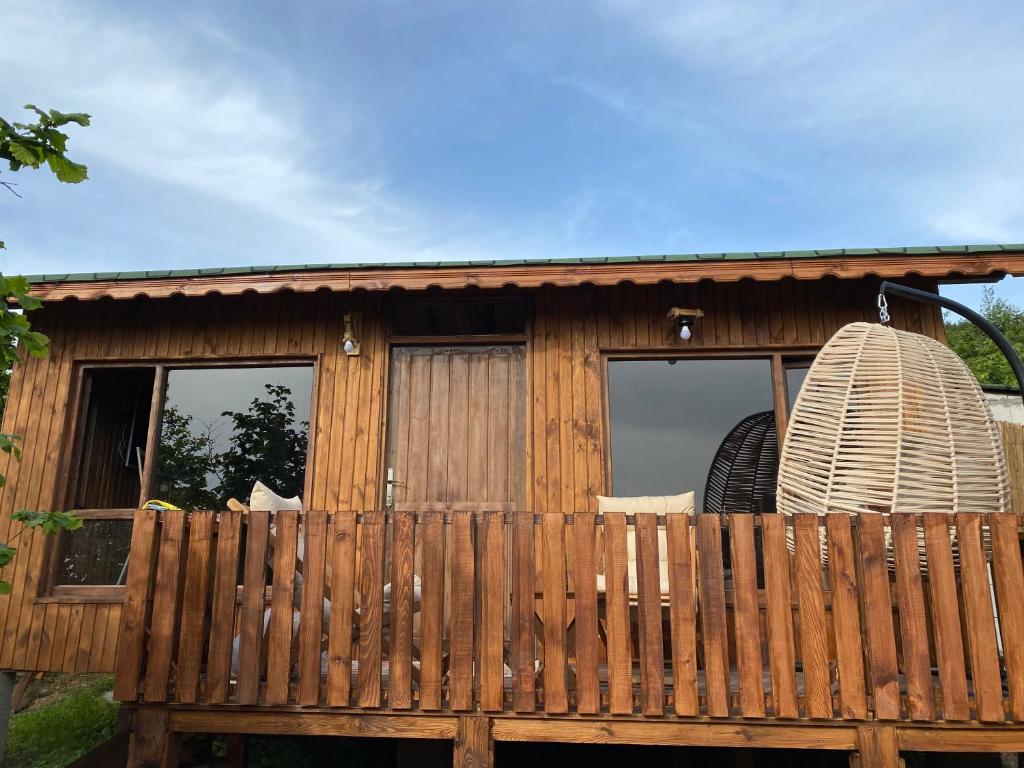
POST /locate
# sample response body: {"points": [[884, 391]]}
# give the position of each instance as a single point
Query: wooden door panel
{"points": [[456, 428]]}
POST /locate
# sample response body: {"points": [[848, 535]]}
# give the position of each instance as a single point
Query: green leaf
{"points": [[50, 522], [5, 587], [7, 554], [66, 170], [28, 302], [63, 118], [25, 154]]}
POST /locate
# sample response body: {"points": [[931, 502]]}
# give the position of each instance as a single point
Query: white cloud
{"points": [[920, 100], [200, 123]]}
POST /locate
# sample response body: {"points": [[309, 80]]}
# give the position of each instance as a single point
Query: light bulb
{"points": [[684, 333], [349, 346]]}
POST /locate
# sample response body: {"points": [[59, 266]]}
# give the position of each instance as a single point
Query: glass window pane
{"points": [[95, 554], [468, 317], [225, 428], [113, 438], [669, 417], [794, 380]]}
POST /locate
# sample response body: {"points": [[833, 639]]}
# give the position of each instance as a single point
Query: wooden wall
{"points": [[569, 330]]}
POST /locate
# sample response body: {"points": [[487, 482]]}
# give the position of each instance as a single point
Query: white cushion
{"points": [[681, 504]]}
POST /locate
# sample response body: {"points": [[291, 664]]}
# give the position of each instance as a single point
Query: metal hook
{"points": [[883, 309]]}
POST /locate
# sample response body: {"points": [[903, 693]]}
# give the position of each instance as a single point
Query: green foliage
{"points": [[979, 352], [50, 522], [60, 732], [185, 461], [265, 444], [31, 145]]}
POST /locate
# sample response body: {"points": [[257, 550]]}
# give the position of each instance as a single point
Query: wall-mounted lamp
{"points": [[349, 342], [684, 319]]}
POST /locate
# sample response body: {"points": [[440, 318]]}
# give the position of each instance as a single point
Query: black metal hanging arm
{"points": [[990, 330]]}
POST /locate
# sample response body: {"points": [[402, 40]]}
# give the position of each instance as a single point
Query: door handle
{"points": [[389, 488]]}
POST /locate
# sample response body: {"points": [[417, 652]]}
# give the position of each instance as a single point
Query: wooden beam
{"points": [[926, 739], [895, 265], [473, 745], [151, 743], [313, 724], [669, 733], [877, 748]]}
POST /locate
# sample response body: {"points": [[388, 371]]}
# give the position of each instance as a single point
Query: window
{"points": [[669, 418], [109, 477], [493, 316], [796, 372], [217, 430], [225, 428]]}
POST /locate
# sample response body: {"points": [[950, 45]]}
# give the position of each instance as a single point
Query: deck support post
{"points": [[876, 748], [474, 747], [237, 744], [150, 744]]}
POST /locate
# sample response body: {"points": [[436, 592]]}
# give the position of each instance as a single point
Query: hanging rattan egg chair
{"points": [[891, 421]]}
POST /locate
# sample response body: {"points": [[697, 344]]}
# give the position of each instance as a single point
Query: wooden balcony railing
{"points": [[833, 618]]}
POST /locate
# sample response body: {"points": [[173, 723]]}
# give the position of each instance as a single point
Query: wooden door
{"points": [[456, 424]]}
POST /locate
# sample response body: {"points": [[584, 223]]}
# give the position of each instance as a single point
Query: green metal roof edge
{"points": [[158, 274]]}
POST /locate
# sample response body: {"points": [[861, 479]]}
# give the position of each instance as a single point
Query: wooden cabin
{"points": [[451, 573]]}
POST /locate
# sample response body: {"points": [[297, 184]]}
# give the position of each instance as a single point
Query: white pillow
{"points": [[681, 504]]}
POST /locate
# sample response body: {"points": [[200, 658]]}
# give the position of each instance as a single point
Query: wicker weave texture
{"points": [[891, 421], [744, 473]]}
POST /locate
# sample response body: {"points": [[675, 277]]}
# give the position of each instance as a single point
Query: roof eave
{"points": [[959, 262]]}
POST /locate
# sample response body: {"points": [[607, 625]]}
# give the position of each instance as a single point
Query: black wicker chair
{"points": [[745, 469]]}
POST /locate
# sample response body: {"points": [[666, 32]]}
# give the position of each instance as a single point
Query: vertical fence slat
{"points": [[981, 634], [588, 692], [193, 606], [682, 614], [846, 616], [620, 673], [339, 643], [523, 611], [492, 612], [163, 622], [917, 668], [651, 644], [432, 534], [553, 614], [400, 650], [132, 635], [813, 632], [1010, 598], [250, 640], [460, 672], [282, 607], [713, 616], [222, 610], [748, 621], [371, 609], [779, 601], [942, 591], [881, 638], [311, 621]]}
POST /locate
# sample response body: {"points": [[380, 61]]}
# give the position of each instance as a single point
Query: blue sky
{"points": [[230, 133]]}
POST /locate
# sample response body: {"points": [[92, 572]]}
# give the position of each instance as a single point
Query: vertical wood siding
{"points": [[564, 465]]}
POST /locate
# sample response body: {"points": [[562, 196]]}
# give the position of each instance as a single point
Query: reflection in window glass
{"points": [[225, 428], [668, 419], [96, 553], [794, 380]]}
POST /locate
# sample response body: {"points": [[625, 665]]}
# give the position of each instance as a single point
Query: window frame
{"points": [[74, 435], [779, 359]]}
